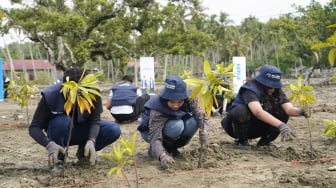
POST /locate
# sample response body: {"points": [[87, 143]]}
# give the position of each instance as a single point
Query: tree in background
{"points": [[77, 32]]}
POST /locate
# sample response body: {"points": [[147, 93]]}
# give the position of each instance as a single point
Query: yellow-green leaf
{"points": [[318, 46], [331, 56]]}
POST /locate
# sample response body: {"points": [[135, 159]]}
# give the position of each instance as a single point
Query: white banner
{"points": [[239, 71], [147, 75]]}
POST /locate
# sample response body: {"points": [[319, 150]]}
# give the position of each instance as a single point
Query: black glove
{"points": [[165, 160], [53, 150], [90, 151], [203, 137], [286, 133], [305, 112]]}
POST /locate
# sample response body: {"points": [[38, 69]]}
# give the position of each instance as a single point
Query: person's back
{"points": [[125, 101]]}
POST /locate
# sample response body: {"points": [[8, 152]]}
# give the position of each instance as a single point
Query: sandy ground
{"points": [[23, 163]]}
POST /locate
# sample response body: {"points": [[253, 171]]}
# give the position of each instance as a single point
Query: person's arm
{"points": [[156, 125], [291, 110], [288, 107], [39, 123], [200, 115], [256, 109], [263, 115], [95, 119], [109, 101]]}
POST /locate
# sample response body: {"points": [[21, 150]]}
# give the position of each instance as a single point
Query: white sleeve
{"points": [[139, 93], [111, 94]]}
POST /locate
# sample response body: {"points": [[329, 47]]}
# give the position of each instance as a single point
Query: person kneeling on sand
{"points": [[261, 109], [170, 120], [50, 125]]}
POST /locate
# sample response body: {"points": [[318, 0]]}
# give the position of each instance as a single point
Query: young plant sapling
{"points": [[79, 95], [330, 43], [22, 91], [206, 90], [123, 153], [302, 95]]}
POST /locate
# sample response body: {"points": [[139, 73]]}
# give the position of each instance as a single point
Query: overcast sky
{"points": [[263, 10]]}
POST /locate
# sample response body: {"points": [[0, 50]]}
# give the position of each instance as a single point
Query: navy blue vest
{"points": [[55, 101], [124, 95], [156, 104], [247, 86]]}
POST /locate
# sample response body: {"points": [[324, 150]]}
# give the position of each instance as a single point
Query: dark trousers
{"points": [[120, 118], [241, 124], [58, 131], [137, 109]]}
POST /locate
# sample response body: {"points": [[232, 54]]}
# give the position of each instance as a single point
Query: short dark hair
{"points": [[127, 78], [74, 74]]}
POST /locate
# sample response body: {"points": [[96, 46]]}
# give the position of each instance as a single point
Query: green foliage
{"points": [[122, 154], [22, 91], [302, 95], [43, 77], [333, 78], [329, 43], [186, 74], [120, 31], [206, 90], [330, 130]]}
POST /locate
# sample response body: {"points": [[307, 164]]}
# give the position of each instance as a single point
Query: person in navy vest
{"points": [[125, 101], [170, 120], [50, 125], [261, 109]]}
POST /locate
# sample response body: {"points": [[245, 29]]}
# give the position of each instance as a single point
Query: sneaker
{"points": [[267, 141], [333, 168], [242, 144]]}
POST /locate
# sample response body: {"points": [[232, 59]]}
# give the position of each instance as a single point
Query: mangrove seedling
{"points": [[22, 92], [206, 90], [123, 154], [79, 95], [302, 95]]}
